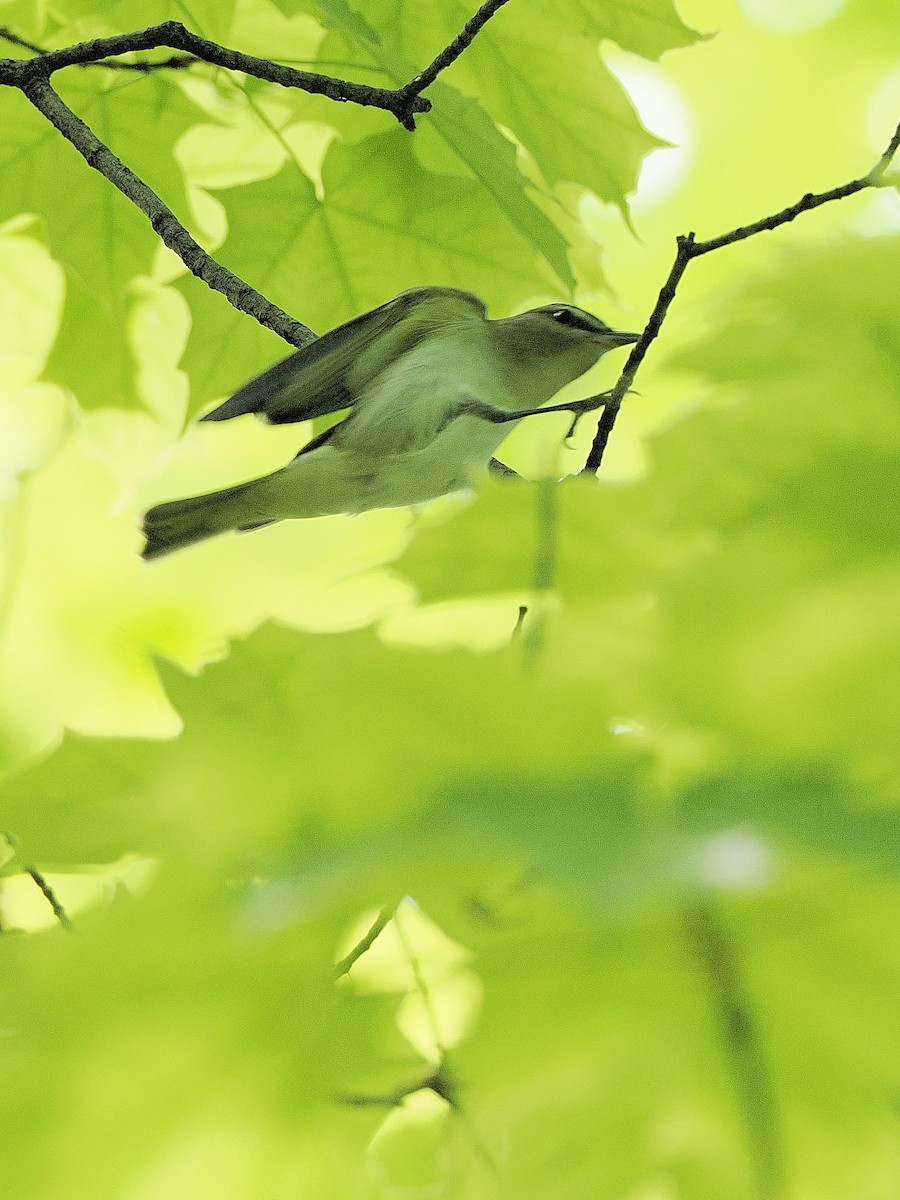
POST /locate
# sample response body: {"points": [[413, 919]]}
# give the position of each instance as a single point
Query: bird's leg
{"points": [[473, 407]]}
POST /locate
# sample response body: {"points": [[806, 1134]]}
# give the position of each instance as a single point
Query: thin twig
{"points": [[689, 248], [7, 35], [440, 1081], [50, 896], [712, 949], [175, 36], [805, 204], [365, 942], [635, 358], [879, 171], [174, 63], [99, 156], [422, 987], [453, 51]]}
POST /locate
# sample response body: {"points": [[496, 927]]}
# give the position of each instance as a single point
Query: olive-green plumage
{"points": [[431, 386]]}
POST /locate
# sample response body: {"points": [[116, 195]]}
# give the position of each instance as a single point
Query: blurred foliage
{"points": [[619, 757]]}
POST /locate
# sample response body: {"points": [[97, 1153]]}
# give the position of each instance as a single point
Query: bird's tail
{"points": [[178, 523]]}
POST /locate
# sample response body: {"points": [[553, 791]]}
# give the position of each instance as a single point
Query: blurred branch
{"points": [[543, 578], [7, 35], [365, 942], [712, 949], [440, 1081], [689, 248], [48, 893]]}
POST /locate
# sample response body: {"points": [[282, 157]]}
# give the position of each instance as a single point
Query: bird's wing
{"points": [[320, 377]]}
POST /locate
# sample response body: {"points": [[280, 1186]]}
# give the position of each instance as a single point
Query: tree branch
{"points": [[710, 945], [174, 63], [689, 248], [463, 39], [32, 76], [50, 896], [99, 156], [175, 36]]}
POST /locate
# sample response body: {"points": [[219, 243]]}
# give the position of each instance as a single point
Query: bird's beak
{"points": [[621, 339]]}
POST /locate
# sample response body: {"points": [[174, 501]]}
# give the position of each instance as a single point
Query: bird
{"points": [[430, 386]]}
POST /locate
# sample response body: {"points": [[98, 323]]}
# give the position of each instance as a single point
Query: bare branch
{"points": [[805, 204], [32, 76], [175, 62], [99, 156], [878, 171], [454, 50], [689, 248], [176, 37], [636, 357]]}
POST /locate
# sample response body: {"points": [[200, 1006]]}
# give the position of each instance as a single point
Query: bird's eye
{"points": [[565, 317]]}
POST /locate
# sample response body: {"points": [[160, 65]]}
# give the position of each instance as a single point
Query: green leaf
{"points": [[225, 1091], [26, 18], [588, 1012], [647, 27], [258, 787], [540, 74], [211, 18], [81, 656], [468, 130], [99, 238], [340, 15]]}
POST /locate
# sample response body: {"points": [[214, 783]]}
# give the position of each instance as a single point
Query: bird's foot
{"points": [[501, 416]]}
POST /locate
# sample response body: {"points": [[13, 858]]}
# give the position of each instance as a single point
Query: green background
{"points": [[642, 846]]}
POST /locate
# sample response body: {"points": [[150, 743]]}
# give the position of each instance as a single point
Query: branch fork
{"points": [[32, 76], [688, 248]]}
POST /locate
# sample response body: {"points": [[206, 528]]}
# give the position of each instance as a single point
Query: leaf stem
{"points": [[365, 942]]}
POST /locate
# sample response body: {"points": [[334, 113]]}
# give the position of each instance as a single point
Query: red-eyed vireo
{"points": [[431, 386]]}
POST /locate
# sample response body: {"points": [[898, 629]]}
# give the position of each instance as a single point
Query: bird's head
{"points": [[559, 339], [559, 327]]}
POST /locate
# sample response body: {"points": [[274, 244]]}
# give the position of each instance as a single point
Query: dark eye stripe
{"points": [[575, 320]]}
